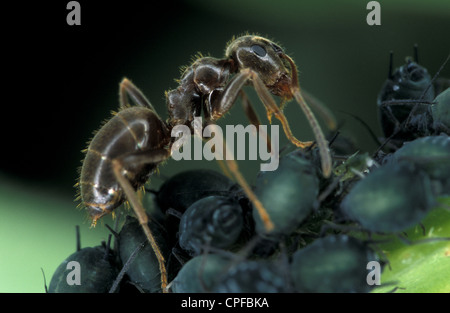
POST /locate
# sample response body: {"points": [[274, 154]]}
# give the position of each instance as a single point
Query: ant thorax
{"points": [[199, 86]]}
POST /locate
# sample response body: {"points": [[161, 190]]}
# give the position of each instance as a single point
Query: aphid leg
{"points": [[154, 157]]}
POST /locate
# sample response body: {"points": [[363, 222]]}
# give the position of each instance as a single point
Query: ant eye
{"points": [[258, 50]]}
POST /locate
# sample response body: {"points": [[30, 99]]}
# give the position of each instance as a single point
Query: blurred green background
{"points": [[66, 82]]}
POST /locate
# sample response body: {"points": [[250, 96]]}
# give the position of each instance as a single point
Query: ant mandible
{"points": [[130, 146]]}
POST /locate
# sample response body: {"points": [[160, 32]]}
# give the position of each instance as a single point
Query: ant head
{"points": [[261, 55]]}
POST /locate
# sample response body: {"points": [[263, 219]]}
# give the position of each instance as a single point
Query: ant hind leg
{"points": [[139, 210]]}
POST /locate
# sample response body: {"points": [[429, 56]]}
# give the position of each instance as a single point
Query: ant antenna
{"points": [[77, 231], [416, 53], [391, 64]]}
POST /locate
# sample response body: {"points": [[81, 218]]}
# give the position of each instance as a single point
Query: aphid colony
{"points": [[207, 233]]}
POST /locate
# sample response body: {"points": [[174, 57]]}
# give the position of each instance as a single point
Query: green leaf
{"points": [[425, 265]]}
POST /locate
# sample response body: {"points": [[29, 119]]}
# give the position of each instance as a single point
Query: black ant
{"points": [[130, 146]]}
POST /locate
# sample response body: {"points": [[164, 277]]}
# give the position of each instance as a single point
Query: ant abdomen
{"points": [[128, 135]]}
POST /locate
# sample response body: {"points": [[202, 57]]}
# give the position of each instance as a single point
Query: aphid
{"points": [[288, 194], [183, 189], [410, 81], [432, 155], [406, 103], [97, 271], [144, 271], [212, 221], [259, 276], [440, 110], [200, 274], [130, 146], [391, 198], [336, 263]]}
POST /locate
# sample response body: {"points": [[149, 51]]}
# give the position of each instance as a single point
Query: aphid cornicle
{"points": [[136, 140]]}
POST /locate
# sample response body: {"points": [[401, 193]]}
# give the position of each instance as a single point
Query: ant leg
{"points": [[127, 88], [253, 117], [139, 210], [234, 169], [232, 90], [318, 134], [321, 109]]}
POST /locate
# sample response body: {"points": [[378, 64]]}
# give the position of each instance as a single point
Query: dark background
{"points": [[65, 78]]}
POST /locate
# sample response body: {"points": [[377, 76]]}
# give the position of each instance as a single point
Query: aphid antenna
{"points": [[365, 125], [334, 137], [400, 102], [127, 264], [385, 142]]}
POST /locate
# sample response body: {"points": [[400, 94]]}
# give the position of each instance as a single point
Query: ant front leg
{"points": [[234, 169], [253, 117], [231, 92], [154, 157]]}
